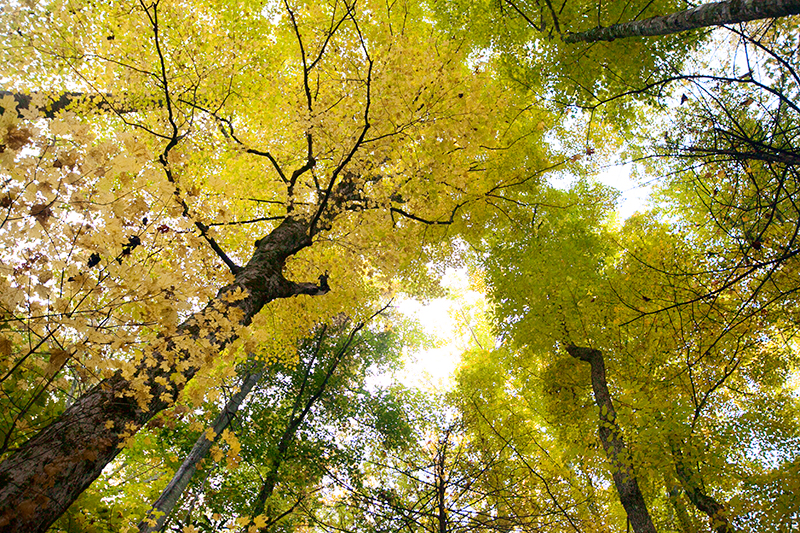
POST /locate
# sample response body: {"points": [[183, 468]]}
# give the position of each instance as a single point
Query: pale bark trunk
{"points": [[163, 507], [42, 479], [611, 437], [678, 507], [713, 14]]}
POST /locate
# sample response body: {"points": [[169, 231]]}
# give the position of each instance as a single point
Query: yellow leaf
{"points": [[5, 346], [57, 359], [260, 521], [217, 454]]}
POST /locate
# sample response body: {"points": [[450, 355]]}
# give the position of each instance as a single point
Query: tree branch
{"points": [[712, 14]]}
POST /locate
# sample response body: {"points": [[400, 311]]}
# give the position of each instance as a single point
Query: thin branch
{"points": [[241, 222], [411, 216], [356, 145]]}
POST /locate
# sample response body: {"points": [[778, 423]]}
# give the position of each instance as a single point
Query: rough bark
{"points": [[704, 503], [163, 507], [611, 437], [40, 481], [713, 14]]}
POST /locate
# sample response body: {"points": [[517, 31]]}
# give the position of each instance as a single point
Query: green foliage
{"points": [[690, 371], [527, 35], [151, 144]]}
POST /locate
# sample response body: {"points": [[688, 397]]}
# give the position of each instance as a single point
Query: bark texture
{"points": [[713, 14], [163, 507], [42, 479], [611, 436]]}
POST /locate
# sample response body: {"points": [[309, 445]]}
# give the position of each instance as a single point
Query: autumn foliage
{"points": [[208, 208]]}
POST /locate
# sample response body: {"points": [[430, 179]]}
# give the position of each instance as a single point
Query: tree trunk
{"points": [[440, 484], [611, 436], [694, 491], [40, 481], [169, 497], [678, 506], [714, 14], [299, 412]]}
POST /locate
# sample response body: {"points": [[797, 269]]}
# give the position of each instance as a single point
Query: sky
{"points": [[432, 369]]}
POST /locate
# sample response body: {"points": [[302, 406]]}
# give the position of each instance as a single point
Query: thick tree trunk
{"points": [[611, 436], [169, 497], [713, 14], [40, 481]]}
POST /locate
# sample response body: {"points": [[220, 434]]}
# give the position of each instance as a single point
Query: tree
{"points": [[711, 14], [245, 147], [280, 463], [718, 305], [611, 436], [314, 381], [127, 216], [526, 35], [676, 361], [433, 483]]}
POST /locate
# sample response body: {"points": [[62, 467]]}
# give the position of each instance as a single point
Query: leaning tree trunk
{"points": [[298, 415], [611, 436], [704, 502], [714, 14], [40, 481], [163, 507]]}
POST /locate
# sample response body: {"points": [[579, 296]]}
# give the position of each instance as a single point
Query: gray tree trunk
{"points": [[611, 437], [42, 479], [163, 507], [713, 14]]}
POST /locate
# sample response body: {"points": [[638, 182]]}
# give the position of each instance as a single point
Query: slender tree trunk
{"points": [[611, 436], [441, 485], [299, 412], [271, 479], [42, 479], [169, 497], [678, 506], [694, 491], [713, 14]]}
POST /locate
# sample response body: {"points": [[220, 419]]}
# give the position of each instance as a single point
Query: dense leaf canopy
{"points": [[209, 208]]}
